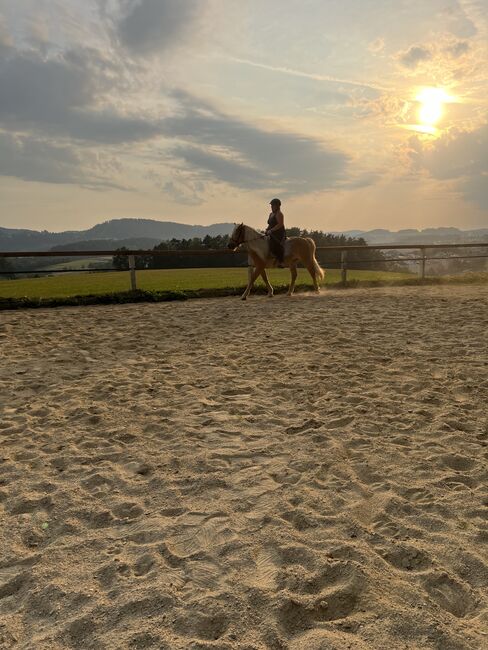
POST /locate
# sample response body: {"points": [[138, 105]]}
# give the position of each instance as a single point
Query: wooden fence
{"points": [[132, 254]]}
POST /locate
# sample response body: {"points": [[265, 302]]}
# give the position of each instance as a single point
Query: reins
{"points": [[246, 241]]}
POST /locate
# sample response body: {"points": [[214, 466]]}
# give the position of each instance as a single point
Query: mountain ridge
{"points": [[116, 231], [15, 239]]}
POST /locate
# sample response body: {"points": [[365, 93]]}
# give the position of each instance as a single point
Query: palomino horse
{"points": [[297, 249]]}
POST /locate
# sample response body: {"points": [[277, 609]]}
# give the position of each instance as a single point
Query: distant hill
{"points": [[115, 230], [160, 230], [146, 233], [134, 243], [426, 236]]}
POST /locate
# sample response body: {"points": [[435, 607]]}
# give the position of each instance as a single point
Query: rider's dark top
{"points": [[277, 239]]}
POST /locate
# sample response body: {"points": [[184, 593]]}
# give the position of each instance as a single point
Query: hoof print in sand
{"points": [[297, 614], [127, 510], [327, 640], [407, 558], [144, 640], [24, 506], [449, 594], [205, 621], [458, 462], [15, 585], [336, 593], [144, 564]]}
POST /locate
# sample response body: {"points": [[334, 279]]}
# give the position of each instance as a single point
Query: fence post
{"points": [[132, 267], [422, 264], [344, 267]]}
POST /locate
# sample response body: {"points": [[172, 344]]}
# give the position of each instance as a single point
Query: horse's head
{"points": [[237, 237]]}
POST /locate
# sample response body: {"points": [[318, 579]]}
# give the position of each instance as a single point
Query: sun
{"points": [[431, 108]]}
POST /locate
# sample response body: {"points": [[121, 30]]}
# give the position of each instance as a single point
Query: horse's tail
{"points": [[318, 269]]}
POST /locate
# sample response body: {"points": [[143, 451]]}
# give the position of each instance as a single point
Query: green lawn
{"points": [[63, 285]]}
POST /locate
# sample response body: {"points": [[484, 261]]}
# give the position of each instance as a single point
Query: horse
{"points": [[297, 249]]}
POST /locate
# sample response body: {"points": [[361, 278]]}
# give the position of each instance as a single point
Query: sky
{"points": [[357, 114]]}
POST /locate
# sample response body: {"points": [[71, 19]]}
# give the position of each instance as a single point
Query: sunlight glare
{"points": [[432, 101]]}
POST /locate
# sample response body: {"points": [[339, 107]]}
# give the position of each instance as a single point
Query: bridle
{"points": [[239, 238]]}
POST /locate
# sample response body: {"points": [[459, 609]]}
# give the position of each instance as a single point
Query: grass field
{"points": [[78, 264], [166, 280]]}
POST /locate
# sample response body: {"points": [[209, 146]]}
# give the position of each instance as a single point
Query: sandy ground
{"points": [[302, 474]]}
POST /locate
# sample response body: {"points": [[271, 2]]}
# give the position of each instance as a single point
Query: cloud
{"points": [[457, 50], [181, 185], [475, 189], [236, 152], [475, 13], [376, 46], [77, 99], [446, 59], [40, 89], [109, 127], [153, 25], [67, 95], [463, 158], [6, 41], [39, 33], [33, 159], [412, 57], [213, 166], [184, 193]]}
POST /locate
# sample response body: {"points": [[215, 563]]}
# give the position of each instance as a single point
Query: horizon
{"points": [[219, 223], [358, 118]]}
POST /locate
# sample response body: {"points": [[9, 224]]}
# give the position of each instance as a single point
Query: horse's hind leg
{"points": [[311, 270], [264, 275], [252, 274], [293, 271]]}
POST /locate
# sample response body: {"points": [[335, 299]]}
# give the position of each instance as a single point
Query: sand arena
{"points": [[305, 473]]}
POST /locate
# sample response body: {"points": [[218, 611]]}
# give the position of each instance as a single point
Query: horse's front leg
{"points": [[264, 275], [252, 274], [293, 271]]}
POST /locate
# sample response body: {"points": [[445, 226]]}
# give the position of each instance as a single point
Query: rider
{"points": [[276, 231]]}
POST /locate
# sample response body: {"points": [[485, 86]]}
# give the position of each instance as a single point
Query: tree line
{"points": [[355, 259]]}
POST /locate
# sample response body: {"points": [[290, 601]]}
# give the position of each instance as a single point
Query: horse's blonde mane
{"points": [[251, 230]]}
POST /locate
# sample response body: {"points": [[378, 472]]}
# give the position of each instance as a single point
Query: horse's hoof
{"points": [[243, 298], [270, 295]]}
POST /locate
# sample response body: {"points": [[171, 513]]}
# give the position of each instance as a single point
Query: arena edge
{"points": [[137, 296]]}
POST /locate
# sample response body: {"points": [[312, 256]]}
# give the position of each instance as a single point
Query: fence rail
{"points": [[132, 254], [222, 251]]}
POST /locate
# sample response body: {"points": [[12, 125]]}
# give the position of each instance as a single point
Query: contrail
{"points": [[308, 75]]}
